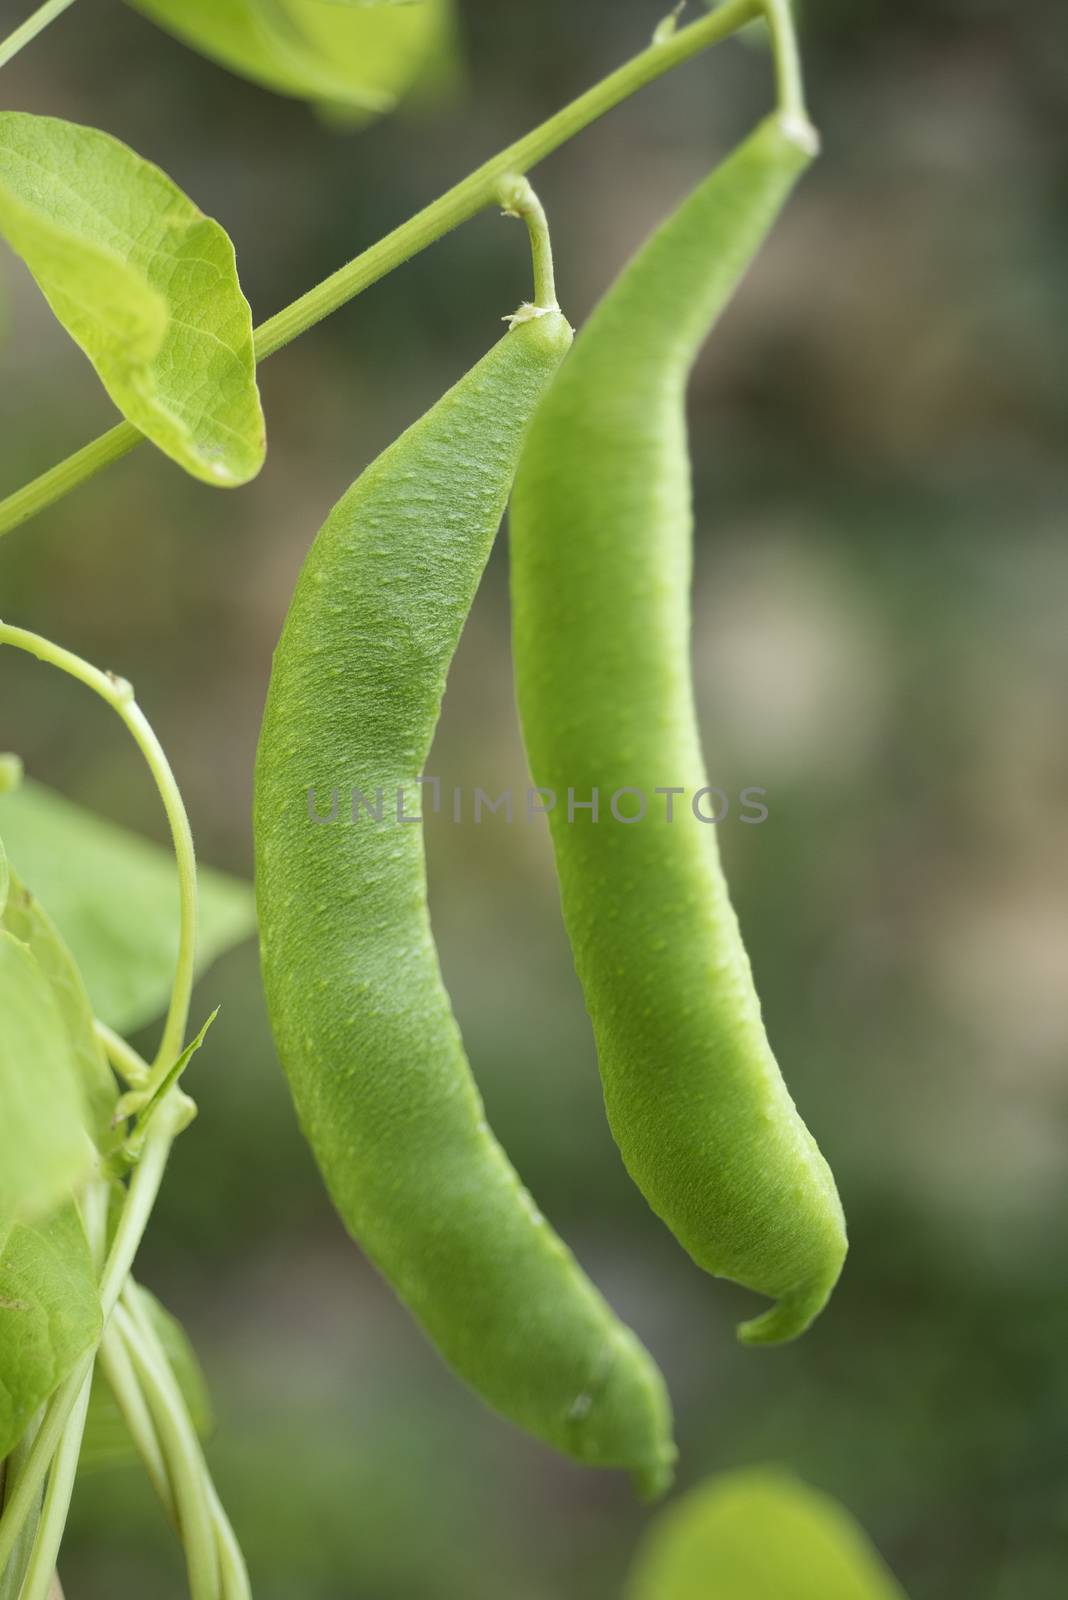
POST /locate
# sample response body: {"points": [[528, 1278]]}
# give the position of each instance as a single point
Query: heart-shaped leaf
{"points": [[144, 283]]}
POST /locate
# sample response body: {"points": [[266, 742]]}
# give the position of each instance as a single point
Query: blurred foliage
{"points": [[361, 58], [740, 1535], [881, 481], [113, 898]]}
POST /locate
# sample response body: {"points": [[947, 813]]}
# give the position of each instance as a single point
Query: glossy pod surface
{"points": [[601, 551], [360, 1013]]}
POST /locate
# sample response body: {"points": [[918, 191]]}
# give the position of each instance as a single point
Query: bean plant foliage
{"points": [[144, 283], [103, 933]]}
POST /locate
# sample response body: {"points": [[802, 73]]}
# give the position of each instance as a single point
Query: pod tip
{"points": [[652, 1481], [785, 1320]]}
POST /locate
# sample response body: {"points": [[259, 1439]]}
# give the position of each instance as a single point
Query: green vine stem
{"points": [[789, 83], [179, 1444], [120, 696], [140, 1198], [235, 1579], [185, 1459], [28, 30], [40, 1570], [123, 1057], [113, 1360], [13, 1572], [455, 206], [517, 199], [131, 1389], [61, 1427]]}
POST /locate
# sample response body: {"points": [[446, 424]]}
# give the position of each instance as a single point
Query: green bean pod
{"points": [[601, 533], [360, 1013]]}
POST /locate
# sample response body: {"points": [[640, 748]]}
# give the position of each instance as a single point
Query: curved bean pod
{"points": [[601, 546], [360, 1013]]}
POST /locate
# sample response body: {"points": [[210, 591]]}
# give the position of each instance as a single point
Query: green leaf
{"points": [[363, 57], [143, 1103], [49, 1313], [396, 46], [243, 35], [114, 898], [44, 1147], [107, 1439], [758, 1535], [144, 283], [24, 917]]}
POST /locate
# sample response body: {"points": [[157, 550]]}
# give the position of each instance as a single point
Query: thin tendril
{"points": [[120, 696]]}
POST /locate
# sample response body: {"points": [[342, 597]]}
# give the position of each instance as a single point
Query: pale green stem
{"points": [[457, 205], [13, 1571], [235, 1578], [123, 1057], [130, 1390], [140, 1198], [114, 1362], [28, 30], [67, 475], [179, 1444], [233, 1572], [58, 1441], [120, 696], [789, 83], [40, 1571], [517, 199]]}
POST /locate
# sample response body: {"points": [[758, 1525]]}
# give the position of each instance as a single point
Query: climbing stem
{"points": [[29, 29], [40, 1571], [176, 1436], [13, 1570], [789, 83], [184, 1454], [41, 1566], [67, 475], [21, 1495], [123, 1057], [114, 1362], [463, 201], [120, 696]]}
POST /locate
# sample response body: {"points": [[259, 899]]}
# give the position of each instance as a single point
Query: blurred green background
{"points": [[879, 431]]}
